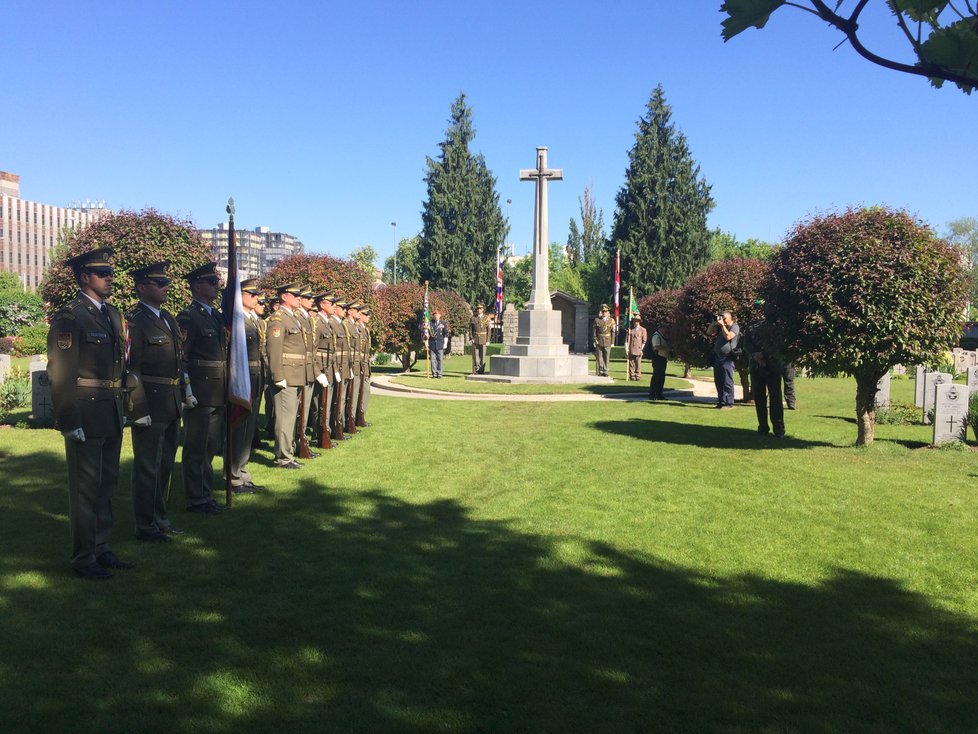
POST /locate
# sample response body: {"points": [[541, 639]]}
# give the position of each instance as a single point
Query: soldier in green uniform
{"points": [[325, 366], [242, 434], [356, 366], [205, 363], [603, 337], [155, 360], [272, 305], [365, 385], [479, 334], [86, 354], [344, 367], [287, 364]]}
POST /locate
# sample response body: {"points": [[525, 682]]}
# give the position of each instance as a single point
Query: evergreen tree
{"points": [[660, 219], [592, 225], [462, 224], [573, 248]]}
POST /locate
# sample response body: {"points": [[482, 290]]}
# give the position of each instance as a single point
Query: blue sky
{"points": [[317, 117]]}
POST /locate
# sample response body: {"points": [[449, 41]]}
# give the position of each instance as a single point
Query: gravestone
{"points": [[510, 324], [931, 381], [899, 369], [950, 413], [883, 391], [4, 367], [918, 391], [972, 379], [42, 409], [456, 345], [957, 359]]}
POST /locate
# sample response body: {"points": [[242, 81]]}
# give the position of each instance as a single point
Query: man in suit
{"points": [[661, 349], [86, 354], [437, 342], [479, 334], [637, 337], [155, 403], [243, 434], [287, 366], [602, 338], [205, 362]]}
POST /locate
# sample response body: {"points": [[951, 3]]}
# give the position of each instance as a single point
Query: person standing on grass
{"points": [[661, 347], [637, 337], [479, 335], [437, 341], [725, 344], [86, 359], [602, 337], [155, 360], [765, 378]]}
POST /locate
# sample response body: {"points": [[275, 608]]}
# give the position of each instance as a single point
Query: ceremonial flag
{"points": [[239, 380], [617, 283], [499, 282], [632, 303]]}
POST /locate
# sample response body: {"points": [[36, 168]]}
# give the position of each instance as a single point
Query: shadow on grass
{"points": [[697, 434], [312, 611]]}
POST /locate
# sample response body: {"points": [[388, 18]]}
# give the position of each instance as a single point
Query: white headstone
{"points": [[918, 391], [42, 409], [950, 413], [931, 381], [4, 366], [972, 379], [883, 391], [899, 369]]}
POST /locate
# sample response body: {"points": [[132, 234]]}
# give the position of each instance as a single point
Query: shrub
{"points": [[899, 414], [32, 340], [15, 392], [8, 344], [457, 312], [658, 308], [138, 238], [324, 273], [397, 317], [972, 417], [18, 310], [861, 291]]}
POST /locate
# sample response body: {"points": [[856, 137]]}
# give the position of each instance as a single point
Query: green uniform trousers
{"points": [[93, 473], [154, 450], [203, 436], [286, 401]]}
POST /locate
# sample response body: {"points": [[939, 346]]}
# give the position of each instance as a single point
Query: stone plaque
{"points": [[972, 379], [918, 392], [456, 345], [883, 392], [950, 412], [931, 381], [510, 324], [42, 410]]}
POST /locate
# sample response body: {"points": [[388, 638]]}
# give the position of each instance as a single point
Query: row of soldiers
{"points": [[151, 370]]}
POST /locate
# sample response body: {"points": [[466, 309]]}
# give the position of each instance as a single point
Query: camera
{"points": [[718, 317]]}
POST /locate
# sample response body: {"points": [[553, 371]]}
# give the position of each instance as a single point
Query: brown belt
{"points": [[105, 384], [171, 381], [288, 355], [206, 363]]}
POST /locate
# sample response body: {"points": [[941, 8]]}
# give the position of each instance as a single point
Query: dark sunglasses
{"points": [[101, 272], [158, 282], [212, 279]]}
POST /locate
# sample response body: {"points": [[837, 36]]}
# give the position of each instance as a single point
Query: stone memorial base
{"points": [[539, 356]]}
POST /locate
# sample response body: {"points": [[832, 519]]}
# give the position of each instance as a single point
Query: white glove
{"points": [[282, 383], [337, 376], [144, 422], [189, 401], [322, 379], [76, 435]]}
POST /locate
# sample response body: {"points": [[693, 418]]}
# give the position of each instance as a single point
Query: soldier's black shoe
{"points": [[242, 489], [93, 572], [204, 509], [111, 560], [255, 487], [216, 507], [290, 465], [152, 536], [170, 530]]}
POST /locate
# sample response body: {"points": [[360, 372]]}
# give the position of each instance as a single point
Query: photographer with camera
{"points": [[725, 347]]}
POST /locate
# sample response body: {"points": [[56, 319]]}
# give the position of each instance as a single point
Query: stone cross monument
{"points": [[540, 295], [539, 354]]}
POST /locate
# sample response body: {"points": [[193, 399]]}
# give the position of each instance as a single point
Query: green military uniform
{"points": [[155, 360], [204, 358], [345, 368], [365, 385], [479, 335], [243, 433], [287, 363], [309, 338], [356, 369], [86, 350], [326, 366], [602, 338]]}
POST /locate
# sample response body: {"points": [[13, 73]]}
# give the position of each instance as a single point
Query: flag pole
{"points": [[424, 335]]}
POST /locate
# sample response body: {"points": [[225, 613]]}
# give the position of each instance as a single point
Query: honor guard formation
{"points": [[308, 356]]}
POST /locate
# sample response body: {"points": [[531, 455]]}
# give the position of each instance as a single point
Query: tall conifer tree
{"points": [[660, 219], [462, 223]]}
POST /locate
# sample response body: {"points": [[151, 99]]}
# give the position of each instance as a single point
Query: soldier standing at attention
{"points": [[287, 364], [272, 305], [155, 359], [479, 334], [205, 357], [343, 367], [86, 350], [325, 366], [637, 337], [356, 365], [304, 314], [243, 434], [365, 385], [438, 336], [603, 336]]}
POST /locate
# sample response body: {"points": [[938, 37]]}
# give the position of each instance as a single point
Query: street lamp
{"points": [[394, 227], [510, 233]]}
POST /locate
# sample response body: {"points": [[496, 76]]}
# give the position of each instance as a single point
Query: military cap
{"points": [[207, 270], [250, 286], [604, 307], [306, 292], [324, 297], [365, 311], [355, 305], [293, 288], [95, 259], [262, 300], [481, 305], [156, 271]]}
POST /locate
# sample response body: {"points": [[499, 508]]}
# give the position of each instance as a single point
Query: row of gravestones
{"points": [[937, 395]]}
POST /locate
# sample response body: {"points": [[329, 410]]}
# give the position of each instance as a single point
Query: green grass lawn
{"points": [[526, 567], [456, 369]]}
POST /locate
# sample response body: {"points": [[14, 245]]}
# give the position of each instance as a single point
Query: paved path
{"points": [[699, 391]]}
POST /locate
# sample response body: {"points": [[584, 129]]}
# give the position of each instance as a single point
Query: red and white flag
{"points": [[239, 379], [617, 282]]}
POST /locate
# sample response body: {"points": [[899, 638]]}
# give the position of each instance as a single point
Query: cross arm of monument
{"points": [[553, 174]]}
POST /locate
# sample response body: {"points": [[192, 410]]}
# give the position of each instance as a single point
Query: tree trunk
{"points": [[865, 409], [406, 360], [745, 383], [687, 370]]}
